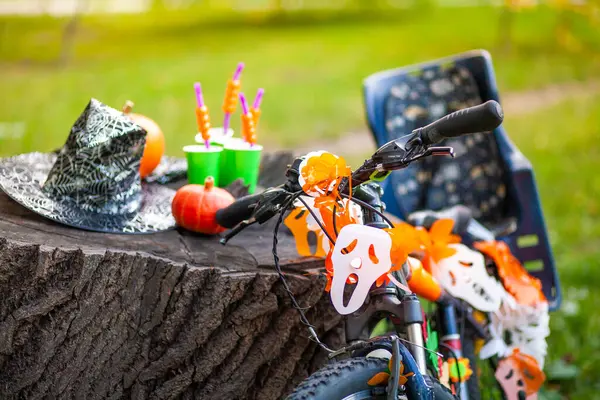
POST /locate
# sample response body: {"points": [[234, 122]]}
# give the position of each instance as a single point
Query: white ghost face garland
{"points": [[518, 327], [522, 322], [464, 276], [518, 308], [362, 254], [459, 270], [519, 376]]}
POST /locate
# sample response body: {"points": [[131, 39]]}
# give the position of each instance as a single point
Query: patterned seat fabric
{"points": [[475, 177]]}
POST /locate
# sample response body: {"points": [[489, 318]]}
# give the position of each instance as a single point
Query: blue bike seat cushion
{"points": [[475, 177]]}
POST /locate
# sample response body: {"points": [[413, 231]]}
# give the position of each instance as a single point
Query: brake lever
{"points": [[433, 151], [439, 151], [384, 167]]}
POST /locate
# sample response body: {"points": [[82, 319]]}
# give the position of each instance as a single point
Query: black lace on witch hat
{"points": [[94, 181]]}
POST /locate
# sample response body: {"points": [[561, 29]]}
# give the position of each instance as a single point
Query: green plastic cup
{"points": [[216, 136], [202, 163], [240, 161]]}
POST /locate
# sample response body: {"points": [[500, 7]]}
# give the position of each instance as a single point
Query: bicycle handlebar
{"points": [[393, 155], [482, 118], [238, 211]]}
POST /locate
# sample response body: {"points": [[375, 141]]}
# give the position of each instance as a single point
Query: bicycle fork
{"points": [[405, 313], [413, 319]]}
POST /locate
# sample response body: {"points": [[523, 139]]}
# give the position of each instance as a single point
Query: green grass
{"points": [[311, 67]]}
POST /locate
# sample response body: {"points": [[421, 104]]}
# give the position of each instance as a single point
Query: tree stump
{"points": [[171, 315]]}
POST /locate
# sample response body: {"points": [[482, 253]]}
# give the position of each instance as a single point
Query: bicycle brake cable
{"points": [[318, 220], [376, 211], [313, 334]]}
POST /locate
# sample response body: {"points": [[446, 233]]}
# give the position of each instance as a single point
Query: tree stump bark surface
{"points": [[171, 315]]}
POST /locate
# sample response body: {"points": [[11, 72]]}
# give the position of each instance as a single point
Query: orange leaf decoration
{"points": [[383, 377], [405, 239], [525, 288], [437, 241], [402, 379], [441, 237], [382, 280], [379, 379]]}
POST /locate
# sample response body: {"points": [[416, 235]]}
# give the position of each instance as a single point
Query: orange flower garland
{"points": [[525, 288]]}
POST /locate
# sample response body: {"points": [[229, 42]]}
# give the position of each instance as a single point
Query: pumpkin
{"points": [[194, 206], [155, 141]]}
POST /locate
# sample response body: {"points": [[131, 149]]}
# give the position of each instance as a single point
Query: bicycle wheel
{"points": [[345, 380]]}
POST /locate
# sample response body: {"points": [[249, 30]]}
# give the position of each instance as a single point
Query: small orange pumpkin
{"points": [[194, 206], [155, 141]]}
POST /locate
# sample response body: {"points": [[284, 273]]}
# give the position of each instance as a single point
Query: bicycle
{"points": [[411, 375]]}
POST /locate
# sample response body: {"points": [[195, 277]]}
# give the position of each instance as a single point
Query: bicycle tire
{"points": [[340, 379]]}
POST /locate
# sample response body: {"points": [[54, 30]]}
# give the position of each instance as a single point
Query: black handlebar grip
{"points": [[482, 118], [237, 212]]}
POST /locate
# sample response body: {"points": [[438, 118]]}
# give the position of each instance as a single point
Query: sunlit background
{"points": [[311, 60]]}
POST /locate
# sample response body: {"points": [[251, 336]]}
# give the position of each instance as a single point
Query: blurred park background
{"points": [[311, 58]]}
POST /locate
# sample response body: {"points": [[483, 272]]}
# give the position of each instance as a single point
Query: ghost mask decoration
{"points": [[496, 346], [361, 251], [529, 331], [525, 328], [519, 376], [464, 276], [301, 222]]}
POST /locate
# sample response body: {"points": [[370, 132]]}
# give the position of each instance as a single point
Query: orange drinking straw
{"points": [[248, 128], [231, 96], [202, 117], [256, 107]]}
